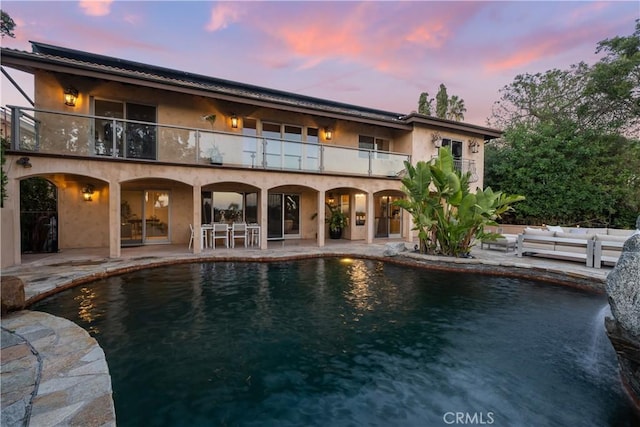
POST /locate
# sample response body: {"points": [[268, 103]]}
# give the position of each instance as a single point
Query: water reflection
{"points": [[87, 309]]}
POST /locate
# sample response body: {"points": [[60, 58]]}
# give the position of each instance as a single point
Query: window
{"points": [[250, 143], [456, 151], [285, 148], [131, 139], [371, 143]]}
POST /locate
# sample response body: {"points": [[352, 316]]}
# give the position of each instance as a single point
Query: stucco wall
{"points": [[6, 237]]}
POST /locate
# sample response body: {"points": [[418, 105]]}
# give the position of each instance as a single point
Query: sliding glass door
{"points": [[144, 217], [283, 216]]}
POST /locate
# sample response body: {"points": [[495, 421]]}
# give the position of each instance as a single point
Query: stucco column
{"points": [[371, 214], [263, 212], [13, 201], [407, 225], [320, 218], [196, 220], [114, 220]]}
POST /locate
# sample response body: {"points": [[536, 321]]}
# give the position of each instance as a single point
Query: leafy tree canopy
{"points": [[571, 140], [6, 25]]}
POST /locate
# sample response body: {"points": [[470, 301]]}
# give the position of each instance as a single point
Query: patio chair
{"points": [[238, 231], [203, 237], [220, 231]]}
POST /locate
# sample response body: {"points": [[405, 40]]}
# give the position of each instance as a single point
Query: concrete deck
{"points": [[53, 373]]}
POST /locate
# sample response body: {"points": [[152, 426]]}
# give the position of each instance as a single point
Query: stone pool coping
{"points": [[59, 376]]}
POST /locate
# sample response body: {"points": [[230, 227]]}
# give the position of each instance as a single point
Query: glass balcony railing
{"points": [[107, 137], [465, 166]]}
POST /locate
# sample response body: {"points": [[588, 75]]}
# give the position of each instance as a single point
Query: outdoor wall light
{"points": [[234, 121], [24, 162], [70, 96], [474, 146], [436, 138], [87, 192], [328, 134]]}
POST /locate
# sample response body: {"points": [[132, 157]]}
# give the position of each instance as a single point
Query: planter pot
{"points": [[335, 234]]}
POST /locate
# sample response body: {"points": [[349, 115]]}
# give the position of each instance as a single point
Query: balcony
{"points": [[465, 166], [50, 132]]}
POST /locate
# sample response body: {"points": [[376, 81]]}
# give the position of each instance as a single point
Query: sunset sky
{"points": [[375, 54]]}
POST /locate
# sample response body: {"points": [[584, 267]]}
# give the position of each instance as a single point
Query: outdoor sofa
{"points": [[592, 246]]}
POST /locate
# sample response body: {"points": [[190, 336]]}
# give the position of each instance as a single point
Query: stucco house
{"points": [[135, 154]]}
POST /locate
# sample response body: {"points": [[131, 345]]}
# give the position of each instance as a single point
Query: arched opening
{"points": [[38, 216]]}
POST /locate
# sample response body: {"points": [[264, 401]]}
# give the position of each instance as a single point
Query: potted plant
{"points": [[215, 155], [337, 221]]}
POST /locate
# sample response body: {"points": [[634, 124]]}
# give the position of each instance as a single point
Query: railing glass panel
{"points": [[349, 160], [387, 164], [97, 136]]}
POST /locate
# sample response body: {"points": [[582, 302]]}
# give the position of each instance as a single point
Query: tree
{"points": [[425, 105], [449, 218], [446, 108], [564, 142], [7, 25], [442, 102], [6, 29], [612, 92], [456, 109], [4, 180]]}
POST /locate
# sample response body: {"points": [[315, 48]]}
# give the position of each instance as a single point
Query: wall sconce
{"points": [[234, 121], [436, 139], [328, 134], [474, 146], [331, 199], [87, 192], [24, 162], [70, 96]]}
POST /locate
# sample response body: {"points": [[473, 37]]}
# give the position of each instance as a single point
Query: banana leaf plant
{"points": [[449, 217]]}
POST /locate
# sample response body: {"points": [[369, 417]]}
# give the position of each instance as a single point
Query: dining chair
{"points": [[238, 231], [203, 237], [220, 231], [253, 230]]}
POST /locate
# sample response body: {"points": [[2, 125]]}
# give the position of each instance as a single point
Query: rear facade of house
{"points": [[133, 154]]}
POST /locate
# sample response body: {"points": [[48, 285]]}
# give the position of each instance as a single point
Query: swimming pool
{"points": [[331, 342]]}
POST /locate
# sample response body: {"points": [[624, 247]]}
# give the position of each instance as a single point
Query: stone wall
{"points": [[623, 330]]}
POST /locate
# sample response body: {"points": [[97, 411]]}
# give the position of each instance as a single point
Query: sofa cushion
{"points": [[582, 237], [538, 232], [596, 230], [619, 232], [555, 228], [578, 231], [609, 238]]}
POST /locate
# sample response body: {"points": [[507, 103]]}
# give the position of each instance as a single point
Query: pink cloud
{"points": [[223, 15], [534, 47], [96, 7]]}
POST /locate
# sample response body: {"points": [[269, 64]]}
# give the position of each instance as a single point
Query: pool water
{"points": [[330, 342]]}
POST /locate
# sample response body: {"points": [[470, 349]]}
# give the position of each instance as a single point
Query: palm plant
{"points": [[456, 109], [448, 217]]}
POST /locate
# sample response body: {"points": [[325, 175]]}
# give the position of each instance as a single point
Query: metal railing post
{"points": [[15, 128], [197, 146]]}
